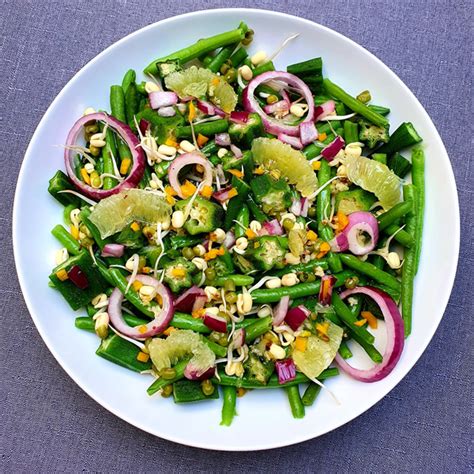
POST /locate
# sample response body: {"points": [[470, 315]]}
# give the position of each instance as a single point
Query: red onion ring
{"points": [[323, 110], [295, 142], [239, 117], [160, 99], [191, 300], [159, 323], [277, 107], [222, 195], [206, 107], [349, 239], [308, 133], [280, 310], [125, 132], [186, 159], [271, 124], [395, 337], [214, 322]]}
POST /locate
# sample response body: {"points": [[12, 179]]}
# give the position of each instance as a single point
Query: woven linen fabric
{"points": [[49, 424]]}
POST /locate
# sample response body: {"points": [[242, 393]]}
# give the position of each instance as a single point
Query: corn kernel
{"points": [[85, 176], [316, 165], [301, 343], [125, 165], [135, 226], [62, 274]]}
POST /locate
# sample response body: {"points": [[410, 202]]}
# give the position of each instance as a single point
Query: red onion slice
{"points": [[192, 372], [239, 117], [280, 310], [78, 277], [282, 106], [395, 337], [191, 300], [229, 240], [160, 99], [333, 148], [166, 111], [214, 322], [296, 317], [360, 236], [180, 162], [125, 132], [286, 370], [308, 133], [304, 207], [271, 124], [295, 207], [325, 290], [222, 139], [154, 327], [323, 110], [238, 338], [236, 151], [272, 227], [295, 142], [144, 125], [113, 250], [222, 195], [206, 107]]}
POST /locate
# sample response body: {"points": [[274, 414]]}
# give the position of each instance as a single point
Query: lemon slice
{"points": [[179, 344], [376, 178], [115, 212], [318, 354], [274, 154], [199, 83]]}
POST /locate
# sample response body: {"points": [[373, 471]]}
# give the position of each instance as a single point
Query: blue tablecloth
{"points": [[48, 424]]}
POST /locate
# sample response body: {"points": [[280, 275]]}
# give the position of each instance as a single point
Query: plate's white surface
{"points": [[264, 419]]}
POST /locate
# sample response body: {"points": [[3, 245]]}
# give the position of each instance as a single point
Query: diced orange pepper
{"points": [[143, 356], [136, 285], [202, 140], [206, 191], [199, 313], [322, 137], [135, 226], [169, 330], [170, 199], [371, 319], [232, 193], [75, 231], [146, 270], [188, 189], [85, 176], [215, 81], [170, 191], [258, 170], [322, 328], [62, 274], [192, 111], [316, 165], [159, 300], [323, 250], [171, 142], [125, 165], [212, 254], [360, 322], [142, 329], [301, 343], [178, 272], [342, 221], [311, 235], [236, 173], [250, 234]]}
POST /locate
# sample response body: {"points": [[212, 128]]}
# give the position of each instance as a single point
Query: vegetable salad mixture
{"points": [[231, 225]]}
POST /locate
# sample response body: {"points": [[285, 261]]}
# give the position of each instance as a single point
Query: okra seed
{"points": [[231, 297], [351, 282], [188, 253], [166, 391], [210, 273], [168, 373], [207, 388], [229, 285]]}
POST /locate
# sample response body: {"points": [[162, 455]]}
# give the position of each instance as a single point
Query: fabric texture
{"points": [[48, 423]]}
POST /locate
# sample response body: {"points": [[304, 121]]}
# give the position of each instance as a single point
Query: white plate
{"points": [[264, 419]]}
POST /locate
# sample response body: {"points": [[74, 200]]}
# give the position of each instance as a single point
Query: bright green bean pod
{"points": [[229, 395], [109, 153], [344, 350], [401, 235], [243, 221], [296, 405], [259, 327], [66, 239], [117, 107], [129, 77], [220, 58], [158, 384], [399, 210], [418, 178], [310, 394]]}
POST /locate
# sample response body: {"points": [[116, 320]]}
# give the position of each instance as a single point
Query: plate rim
{"points": [[104, 403]]}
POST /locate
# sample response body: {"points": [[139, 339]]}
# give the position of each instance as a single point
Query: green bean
{"points": [[109, 153], [370, 270], [129, 77], [310, 394], [418, 178], [239, 280], [158, 384], [409, 263], [265, 67], [243, 221], [259, 327], [344, 350], [210, 148], [66, 239], [117, 107], [401, 235], [220, 58], [229, 395], [354, 104], [349, 319], [208, 129], [404, 136], [380, 157], [238, 57], [372, 352], [351, 131], [87, 323], [201, 47], [296, 405], [392, 215], [323, 206], [67, 214], [303, 267], [244, 382], [132, 104], [185, 321], [312, 151]]}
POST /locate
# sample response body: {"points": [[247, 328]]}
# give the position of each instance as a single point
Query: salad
{"points": [[229, 226]]}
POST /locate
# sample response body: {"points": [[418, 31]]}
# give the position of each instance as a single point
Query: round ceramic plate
{"points": [[264, 419]]}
